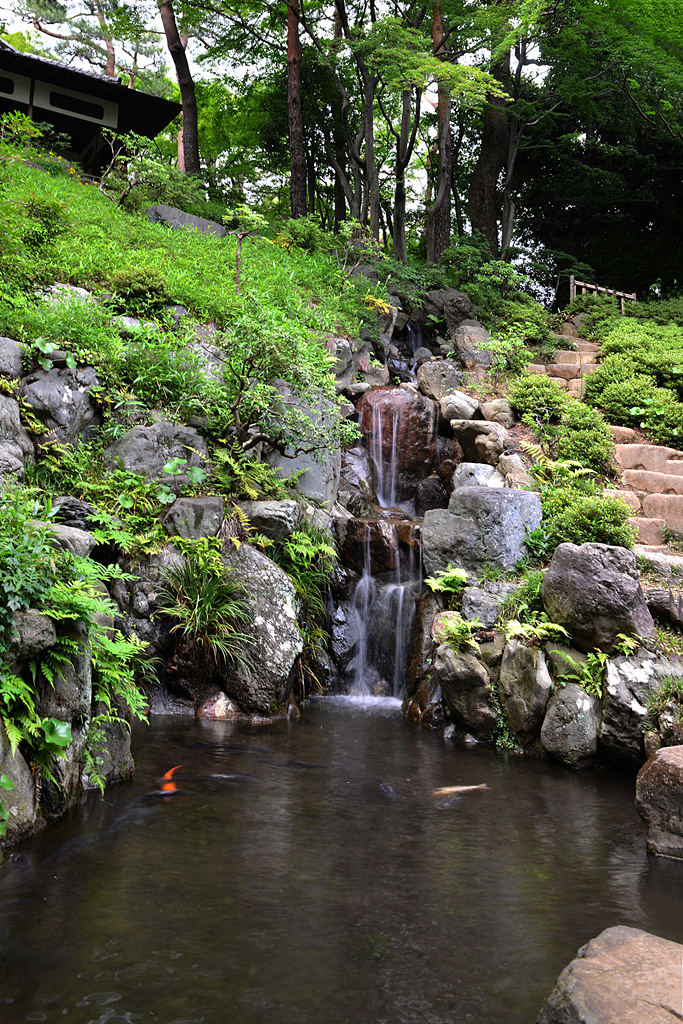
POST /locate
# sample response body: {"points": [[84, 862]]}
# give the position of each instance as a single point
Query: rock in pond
{"points": [[481, 525], [628, 685], [659, 802], [624, 976], [262, 685], [571, 725], [466, 689], [525, 688], [594, 592], [20, 802]]}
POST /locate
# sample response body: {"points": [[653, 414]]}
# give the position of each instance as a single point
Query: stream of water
{"points": [[304, 872]]}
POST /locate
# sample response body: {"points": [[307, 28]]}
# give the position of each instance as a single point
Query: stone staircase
{"points": [[652, 476], [570, 366]]}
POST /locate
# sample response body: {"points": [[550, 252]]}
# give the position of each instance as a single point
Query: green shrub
{"points": [[623, 400], [584, 436], [664, 422], [138, 290], [538, 396], [572, 516]]}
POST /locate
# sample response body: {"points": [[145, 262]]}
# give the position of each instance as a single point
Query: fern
{"points": [[550, 471]]}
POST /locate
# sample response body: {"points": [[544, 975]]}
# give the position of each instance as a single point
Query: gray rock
{"points": [[477, 474], [628, 684], [16, 447], [457, 307], [571, 726], [421, 355], [345, 368], [458, 406], [31, 634], [138, 598], [58, 293], [468, 340], [69, 699], [498, 411], [659, 802], [161, 214], [68, 538], [525, 688], [20, 802], [75, 512], [61, 399], [146, 450], [594, 592], [194, 517], [421, 647], [516, 473], [11, 358], [113, 747], [358, 469], [481, 525], [438, 377], [624, 976], [566, 661], [430, 493], [484, 604], [466, 689], [276, 520], [480, 440], [263, 686], [320, 479]]}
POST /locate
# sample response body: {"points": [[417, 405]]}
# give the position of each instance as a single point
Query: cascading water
{"points": [[386, 469]]}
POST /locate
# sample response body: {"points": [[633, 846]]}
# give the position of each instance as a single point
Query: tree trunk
{"points": [[483, 194], [180, 137], [297, 149], [442, 213], [187, 93], [110, 66]]}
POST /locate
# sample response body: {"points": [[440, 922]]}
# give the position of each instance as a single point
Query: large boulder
{"points": [[20, 802], [659, 801], [367, 545], [276, 520], [624, 976], [466, 689], [70, 538], [437, 377], [480, 440], [62, 401], [477, 474], [358, 469], [482, 525], [16, 447], [525, 688], [32, 633], [147, 450], [319, 470], [399, 431], [173, 218], [468, 340], [457, 307], [194, 517], [571, 726], [11, 358], [629, 684], [430, 493], [344, 368], [458, 406], [483, 603], [139, 597], [263, 684], [421, 648], [594, 592]]}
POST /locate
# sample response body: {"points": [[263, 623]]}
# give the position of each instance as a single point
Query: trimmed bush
{"points": [[569, 515], [539, 396], [584, 435], [623, 400]]}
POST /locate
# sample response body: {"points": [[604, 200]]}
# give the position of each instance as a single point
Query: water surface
{"points": [[303, 872]]}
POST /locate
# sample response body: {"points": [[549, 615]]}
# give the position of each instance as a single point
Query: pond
{"points": [[305, 872]]}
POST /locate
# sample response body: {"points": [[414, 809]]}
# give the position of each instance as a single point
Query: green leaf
{"points": [[6, 782], [57, 733]]}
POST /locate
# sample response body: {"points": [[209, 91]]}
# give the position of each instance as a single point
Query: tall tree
{"points": [[187, 90], [297, 148]]}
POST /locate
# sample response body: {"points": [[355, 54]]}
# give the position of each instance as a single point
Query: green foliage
{"points": [[572, 516], [449, 581], [583, 436], [138, 176], [668, 693], [536, 630], [240, 475], [588, 674], [508, 350], [138, 292], [6, 784], [525, 602], [467, 254], [457, 632], [538, 396], [210, 610]]}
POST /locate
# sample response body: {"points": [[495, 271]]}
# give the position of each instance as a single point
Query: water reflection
{"points": [[304, 872]]}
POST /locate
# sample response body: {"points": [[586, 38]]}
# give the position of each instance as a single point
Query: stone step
{"points": [[623, 435], [665, 506], [651, 458], [563, 370], [587, 368], [631, 499], [538, 368], [587, 346], [566, 356], [660, 560], [650, 531], [653, 483], [575, 388]]}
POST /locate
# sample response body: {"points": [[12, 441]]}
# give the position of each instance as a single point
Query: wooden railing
{"points": [[574, 285]]}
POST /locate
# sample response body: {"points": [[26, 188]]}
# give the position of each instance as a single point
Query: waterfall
{"points": [[383, 617], [386, 468]]}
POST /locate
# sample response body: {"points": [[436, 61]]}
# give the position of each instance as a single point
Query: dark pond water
{"points": [[283, 883]]}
